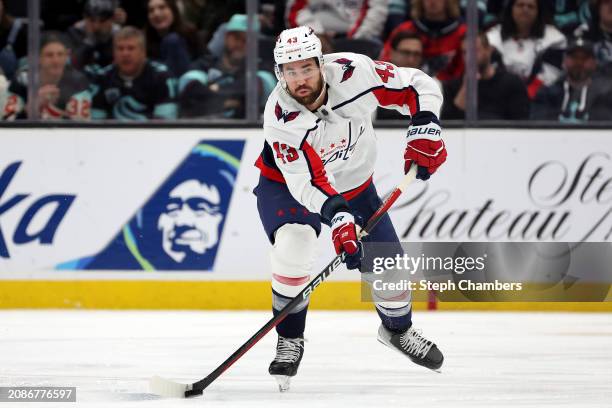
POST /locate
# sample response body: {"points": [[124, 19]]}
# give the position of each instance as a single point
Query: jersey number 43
{"points": [[284, 152], [384, 70]]}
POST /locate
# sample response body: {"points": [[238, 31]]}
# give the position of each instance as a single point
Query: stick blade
{"points": [[167, 388]]}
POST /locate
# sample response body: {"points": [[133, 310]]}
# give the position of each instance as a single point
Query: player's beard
{"points": [[309, 99]]}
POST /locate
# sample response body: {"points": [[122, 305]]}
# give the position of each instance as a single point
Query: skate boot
{"points": [[414, 346], [285, 365]]}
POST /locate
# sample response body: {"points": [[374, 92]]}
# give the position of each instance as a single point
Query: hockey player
{"points": [[63, 92], [316, 167]]}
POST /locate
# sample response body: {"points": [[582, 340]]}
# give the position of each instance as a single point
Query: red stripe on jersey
{"points": [[286, 280], [297, 6], [317, 170], [362, 14], [349, 195], [269, 172], [401, 97]]}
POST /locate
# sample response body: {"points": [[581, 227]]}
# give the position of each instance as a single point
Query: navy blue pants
{"points": [[277, 207]]}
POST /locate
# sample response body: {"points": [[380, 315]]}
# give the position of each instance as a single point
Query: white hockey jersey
{"points": [[333, 149]]}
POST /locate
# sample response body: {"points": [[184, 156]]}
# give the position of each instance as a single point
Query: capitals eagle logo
{"points": [[285, 115], [347, 68]]}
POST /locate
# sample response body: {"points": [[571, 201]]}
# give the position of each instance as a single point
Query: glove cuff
{"points": [[423, 118], [331, 206]]}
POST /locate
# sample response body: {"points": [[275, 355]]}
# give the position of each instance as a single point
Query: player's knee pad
{"points": [[398, 301], [292, 258], [399, 307]]}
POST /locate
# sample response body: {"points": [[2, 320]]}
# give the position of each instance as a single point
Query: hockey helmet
{"points": [[296, 44]]}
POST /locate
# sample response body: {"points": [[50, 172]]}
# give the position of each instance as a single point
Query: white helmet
{"points": [[296, 44]]}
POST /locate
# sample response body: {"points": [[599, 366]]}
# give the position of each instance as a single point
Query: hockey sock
{"points": [[396, 320], [294, 324]]}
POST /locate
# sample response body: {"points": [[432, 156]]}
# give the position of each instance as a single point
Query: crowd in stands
{"points": [[170, 59]]}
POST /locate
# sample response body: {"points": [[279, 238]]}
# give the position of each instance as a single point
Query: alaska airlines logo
{"points": [[39, 221], [285, 115], [347, 68], [180, 227]]}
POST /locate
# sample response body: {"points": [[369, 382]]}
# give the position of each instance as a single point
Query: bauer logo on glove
{"points": [[424, 130]]}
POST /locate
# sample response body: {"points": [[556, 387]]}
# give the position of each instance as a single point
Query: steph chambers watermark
{"points": [[488, 271], [449, 285], [407, 265]]}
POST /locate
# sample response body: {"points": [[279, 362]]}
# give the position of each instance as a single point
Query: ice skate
{"points": [[414, 346], [285, 365]]}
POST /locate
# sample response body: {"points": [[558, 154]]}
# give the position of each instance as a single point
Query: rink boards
{"points": [[90, 217]]}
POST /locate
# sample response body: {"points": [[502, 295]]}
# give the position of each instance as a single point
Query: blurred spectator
{"points": [[135, 13], [120, 17], [17, 8], [63, 92], [399, 11], [61, 15], [599, 32], [169, 40], [191, 10], [13, 41], [501, 95], [92, 37], [216, 12], [133, 88], [215, 87], [485, 17], [346, 18], [271, 17], [530, 48], [580, 95], [406, 51], [569, 14], [438, 24]]}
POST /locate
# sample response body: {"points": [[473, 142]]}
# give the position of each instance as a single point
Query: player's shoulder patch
{"points": [[348, 66], [284, 114]]}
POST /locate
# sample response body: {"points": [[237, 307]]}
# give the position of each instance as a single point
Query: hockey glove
{"points": [[344, 235], [425, 147]]}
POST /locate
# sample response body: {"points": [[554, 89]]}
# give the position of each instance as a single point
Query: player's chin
{"points": [[306, 99]]}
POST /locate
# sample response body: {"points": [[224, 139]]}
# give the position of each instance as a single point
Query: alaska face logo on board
{"points": [[181, 225]]}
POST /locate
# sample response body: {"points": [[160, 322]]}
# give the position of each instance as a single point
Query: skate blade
{"points": [[382, 341], [284, 382], [167, 388]]}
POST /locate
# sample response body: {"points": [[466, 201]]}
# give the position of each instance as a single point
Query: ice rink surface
{"points": [[491, 359]]}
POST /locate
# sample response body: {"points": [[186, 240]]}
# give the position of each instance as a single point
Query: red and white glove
{"points": [[344, 235], [425, 146]]}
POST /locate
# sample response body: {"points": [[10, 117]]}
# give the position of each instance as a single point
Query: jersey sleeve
{"points": [[371, 20], [407, 90], [78, 106], [298, 13], [13, 107], [301, 165], [17, 93], [99, 106], [166, 106]]}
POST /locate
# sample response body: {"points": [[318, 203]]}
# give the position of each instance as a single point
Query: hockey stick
{"points": [[168, 388]]}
